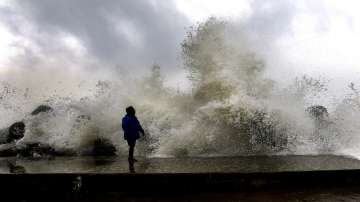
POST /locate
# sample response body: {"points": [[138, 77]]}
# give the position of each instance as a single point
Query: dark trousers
{"points": [[131, 144]]}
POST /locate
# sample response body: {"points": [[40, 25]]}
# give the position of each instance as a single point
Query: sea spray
{"points": [[231, 109]]}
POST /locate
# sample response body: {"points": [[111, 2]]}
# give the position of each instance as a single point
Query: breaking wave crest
{"points": [[231, 109]]}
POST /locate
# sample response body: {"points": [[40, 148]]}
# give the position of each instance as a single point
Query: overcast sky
{"points": [[293, 36]]}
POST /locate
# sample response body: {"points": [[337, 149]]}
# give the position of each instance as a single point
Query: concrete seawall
{"points": [[242, 174], [189, 182]]}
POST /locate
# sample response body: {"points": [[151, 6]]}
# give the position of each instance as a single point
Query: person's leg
{"points": [[131, 144], [131, 152]]}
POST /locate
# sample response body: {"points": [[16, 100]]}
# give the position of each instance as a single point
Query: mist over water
{"points": [[232, 107]]}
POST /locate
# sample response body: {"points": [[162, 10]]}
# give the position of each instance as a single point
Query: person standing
{"points": [[132, 130]]}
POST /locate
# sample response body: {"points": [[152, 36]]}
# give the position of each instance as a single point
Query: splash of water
{"points": [[232, 108]]}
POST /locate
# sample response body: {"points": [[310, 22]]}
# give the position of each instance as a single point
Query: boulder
{"points": [[42, 108], [33, 150], [16, 131], [103, 147]]}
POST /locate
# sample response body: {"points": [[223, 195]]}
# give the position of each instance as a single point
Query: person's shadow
{"points": [[131, 167]]}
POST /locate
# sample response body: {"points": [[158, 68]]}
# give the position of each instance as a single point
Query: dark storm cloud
{"points": [[134, 33], [117, 32]]}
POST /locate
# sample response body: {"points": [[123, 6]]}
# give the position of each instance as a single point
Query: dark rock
{"points": [[42, 108], [34, 150], [103, 147], [16, 131]]}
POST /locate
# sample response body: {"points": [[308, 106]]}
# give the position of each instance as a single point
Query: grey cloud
{"points": [[158, 25], [271, 18], [268, 21], [150, 31]]}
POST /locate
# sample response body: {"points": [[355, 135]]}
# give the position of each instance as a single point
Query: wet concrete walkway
{"points": [[173, 175], [118, 165]]}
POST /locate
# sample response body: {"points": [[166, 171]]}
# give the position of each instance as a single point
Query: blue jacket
{"points": [[131, 127]]}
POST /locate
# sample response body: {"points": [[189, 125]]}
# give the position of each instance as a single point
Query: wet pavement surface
{"points": [[112, 167], [108, 165]]}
